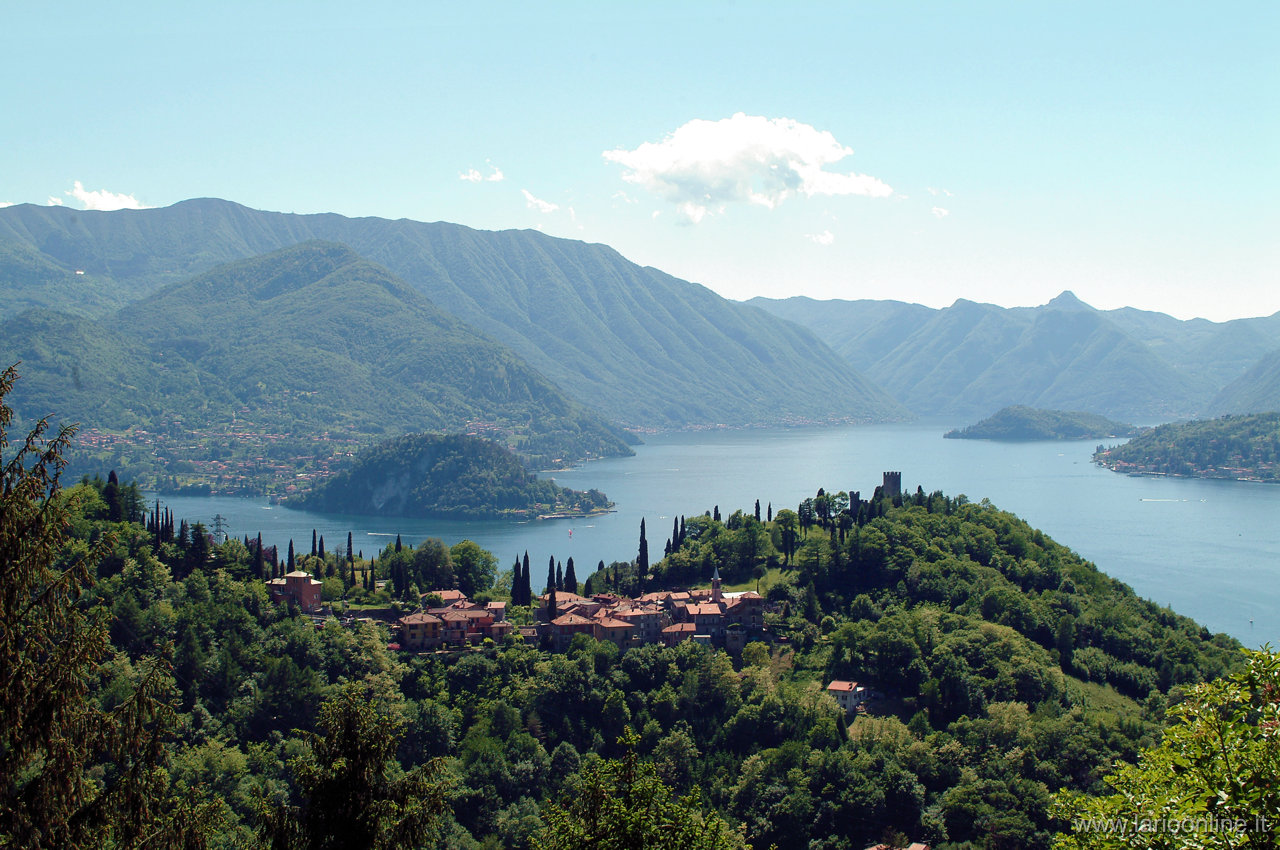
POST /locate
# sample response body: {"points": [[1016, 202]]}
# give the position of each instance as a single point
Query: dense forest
{"points": [[157, 695], [423, 475], [1019, 422], [1237, 447]]}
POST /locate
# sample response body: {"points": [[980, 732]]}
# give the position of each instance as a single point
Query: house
{"points": [[564, 627], [498, 610], [298, 586], [849, 695], [420, 631], [677, 632], [617, 632]]}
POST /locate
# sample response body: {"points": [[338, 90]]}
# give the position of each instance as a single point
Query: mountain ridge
{"points": [[614, 335]]}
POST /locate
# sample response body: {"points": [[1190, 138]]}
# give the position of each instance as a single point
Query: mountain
{"points": [[1028, 423], [652, 350], [307, 340], [1256, 391], [435, 475], [969, 358]]}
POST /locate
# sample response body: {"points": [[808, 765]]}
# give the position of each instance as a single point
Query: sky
{"points": [[923, 152]]}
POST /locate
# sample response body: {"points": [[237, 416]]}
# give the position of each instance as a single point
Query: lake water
{"points": [[1210, 549]]}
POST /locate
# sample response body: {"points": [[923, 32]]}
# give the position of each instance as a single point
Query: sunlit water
{"points": [[1210, 549]]}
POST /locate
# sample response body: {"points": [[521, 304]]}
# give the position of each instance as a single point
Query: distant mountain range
{"points": [[211, 311], [647, 349], [969, 358]]}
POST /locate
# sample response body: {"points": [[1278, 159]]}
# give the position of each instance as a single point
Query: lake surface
{"points": [[1209, 549]]}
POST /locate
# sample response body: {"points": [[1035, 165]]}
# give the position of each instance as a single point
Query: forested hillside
{"points": [[1009, 670], [620, 338], [1019, 422], [255, 359], [436, 475], [1244, 448]]}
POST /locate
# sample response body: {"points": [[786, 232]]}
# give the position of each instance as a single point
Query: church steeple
{"points": [[715, 586]]}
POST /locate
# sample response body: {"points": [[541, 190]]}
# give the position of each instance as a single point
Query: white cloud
{"points": [[936, 192], [826, 237], [940, 212], [4, 204], [101, 199], [473, 175], [538, 204], [746, 158], [54, 202]]}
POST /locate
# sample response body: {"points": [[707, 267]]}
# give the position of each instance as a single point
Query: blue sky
{"points": [[923, 152]]}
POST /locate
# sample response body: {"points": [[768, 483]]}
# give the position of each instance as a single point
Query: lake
{"points": [[1209, 549]]}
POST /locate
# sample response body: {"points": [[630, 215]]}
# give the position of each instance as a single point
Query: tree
{"points": [[788, 523], [351, 792], [621, 804], [642, 560], [570, 577], [54, 735], [1214, 781], [475, 567]]}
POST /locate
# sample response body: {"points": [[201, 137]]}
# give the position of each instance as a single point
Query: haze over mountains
{"points": [[651, 350], [371, 327], [970, 359]]}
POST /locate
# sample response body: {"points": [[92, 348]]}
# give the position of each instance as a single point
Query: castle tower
{"points": [[892, 484]]}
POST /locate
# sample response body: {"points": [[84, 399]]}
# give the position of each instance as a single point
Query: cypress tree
{"points": [[757, 510], [682, 532], [526, 579], [771, 512], [292, 564], [259, 562], [321, 552], [551, 575], [351, 557], [642, 561], [716, 515], [397, 542], [313, 542], [559, 577], [570, 577]]}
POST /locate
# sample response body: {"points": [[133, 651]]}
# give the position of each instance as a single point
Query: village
{"points": [[448, 621]]}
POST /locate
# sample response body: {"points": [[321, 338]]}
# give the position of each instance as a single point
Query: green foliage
{"points": [[73, 772], [434, 475], [622, 804], [352, 791], [1214, 780], [1019, 422], [1239, 447]]}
